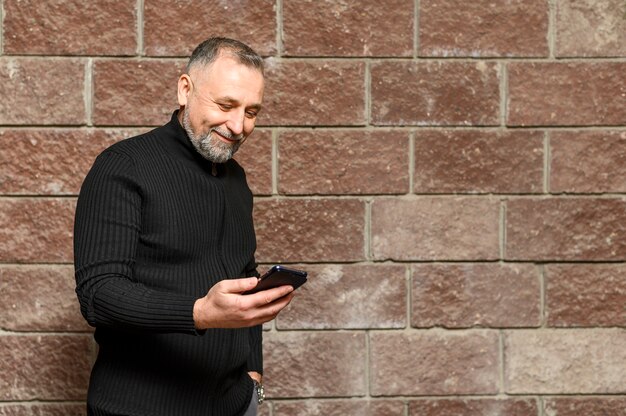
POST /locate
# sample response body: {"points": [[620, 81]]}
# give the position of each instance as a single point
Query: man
{"points": [[164, 247]]}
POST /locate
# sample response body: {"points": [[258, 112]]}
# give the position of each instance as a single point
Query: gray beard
{"points": [[209, 146]]}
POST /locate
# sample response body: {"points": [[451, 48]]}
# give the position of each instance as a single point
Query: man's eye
{"points": [[251, 114], [225, 107]]}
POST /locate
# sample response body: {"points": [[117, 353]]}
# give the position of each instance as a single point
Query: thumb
{"points": [[239, 285]]}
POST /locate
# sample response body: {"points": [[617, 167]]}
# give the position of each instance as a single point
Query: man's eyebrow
{"points": [[231, 100]]}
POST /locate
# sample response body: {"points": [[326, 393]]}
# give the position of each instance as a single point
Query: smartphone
{"points": [[279, 276]]}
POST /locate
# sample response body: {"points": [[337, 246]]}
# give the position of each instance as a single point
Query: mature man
{"points": [[164, 247]]}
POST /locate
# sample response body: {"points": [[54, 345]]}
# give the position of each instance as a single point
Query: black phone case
{"points": [[280, 276]]}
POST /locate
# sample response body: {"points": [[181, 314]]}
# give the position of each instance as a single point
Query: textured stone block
{"points": [[51, 162], [566, 229], [567, 94], [44, 367], [466, 295], [42, 91], [586, 295], [348, 28], [343, 162], [565, 361], [349, 296], [70, 27], [436, 228], [39, 298], [36, 230], [588, 161], [590, 406], [433, 363], [176, 28], [309, 230], [435, 93], [590, 28], [140, 93], [340, 408], [473, 407], [327, 93], [255, 155], [483, 28], [478, 162], [47, 409], [309, 364]]}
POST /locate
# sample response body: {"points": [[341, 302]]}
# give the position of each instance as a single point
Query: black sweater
{"points": [[154, 230]]}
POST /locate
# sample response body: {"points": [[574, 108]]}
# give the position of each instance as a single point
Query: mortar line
{"points": [[368, 360], [502, 233], [88, 91], [542, 295], [279, 27], [546, 162], [140, 6], [504, 93], [412, 138], [368, 230], [552, 11], [368, 94]]}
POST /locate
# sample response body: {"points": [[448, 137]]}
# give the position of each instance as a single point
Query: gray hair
{"points": [[209, 50]]}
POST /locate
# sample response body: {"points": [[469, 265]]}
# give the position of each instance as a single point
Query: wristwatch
{"points": [[260, 391]]}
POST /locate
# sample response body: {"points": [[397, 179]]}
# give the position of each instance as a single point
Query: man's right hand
{"points": [[225, 306]]}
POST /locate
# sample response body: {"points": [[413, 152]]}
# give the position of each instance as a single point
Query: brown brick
{"points": [[435, 93], [309, 364], [588, 161], [483, 28], [478, 161], [42, 91], [255, 155], [309, 230], [438, 228], [566, 94], [586, 295], [51, 162], [47, 409], [433, 363], [175, 29], [349, 296], [565, 361], [24, 306], [36, 230], [565, 229], [343, 162], [328, 93], [466, 295], [588, 406], [135, 92], [339, 408], [44, 367], [590, 28], [348, 28], [473, 407], [70, 27]]}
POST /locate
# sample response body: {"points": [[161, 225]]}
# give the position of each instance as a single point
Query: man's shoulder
{"points": [[138, 146]]}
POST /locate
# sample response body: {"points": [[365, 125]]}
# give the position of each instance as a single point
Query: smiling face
{"points": [[219, 105]]}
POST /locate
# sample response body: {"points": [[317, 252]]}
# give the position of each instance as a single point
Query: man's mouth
{"points": [[227, 137]]}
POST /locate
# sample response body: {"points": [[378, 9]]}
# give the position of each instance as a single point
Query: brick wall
{"points": [[451, 173]]}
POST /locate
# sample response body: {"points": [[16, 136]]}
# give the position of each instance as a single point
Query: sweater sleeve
{"points": [[106, 233]]}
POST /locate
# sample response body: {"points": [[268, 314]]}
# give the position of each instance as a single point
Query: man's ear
{"points": [[184, 89]]}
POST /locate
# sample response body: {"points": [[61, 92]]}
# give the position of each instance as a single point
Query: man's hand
{"points": [[225, 306]]}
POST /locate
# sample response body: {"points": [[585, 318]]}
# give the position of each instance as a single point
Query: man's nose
{"points": [[235, 121]]}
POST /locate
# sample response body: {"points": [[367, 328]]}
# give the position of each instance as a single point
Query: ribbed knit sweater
{"points": [[154, 230]]}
